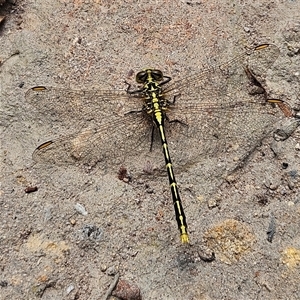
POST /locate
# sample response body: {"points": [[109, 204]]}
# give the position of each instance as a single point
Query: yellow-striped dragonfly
{"points": [[222, 109]]}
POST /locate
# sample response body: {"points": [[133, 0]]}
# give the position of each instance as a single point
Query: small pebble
{"points": [[72, 222], [273, 186], [126, 290], [80, 209], [31, 189], [103, 268], [211, 203], [246, 29], [70, 288]]}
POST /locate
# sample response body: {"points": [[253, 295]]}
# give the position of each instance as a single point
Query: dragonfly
{"points": [[222, 109]]}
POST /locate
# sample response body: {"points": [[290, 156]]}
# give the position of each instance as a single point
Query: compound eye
{"points": [[157, 75], [141, 77]]}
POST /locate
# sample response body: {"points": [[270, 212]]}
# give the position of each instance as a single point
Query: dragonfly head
{"points": [[149, 75]]}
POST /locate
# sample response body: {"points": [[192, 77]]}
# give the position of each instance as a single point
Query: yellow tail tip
{"points": [[184, 238]]}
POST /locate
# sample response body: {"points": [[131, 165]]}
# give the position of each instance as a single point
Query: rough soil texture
{"points": [[51, 248]]}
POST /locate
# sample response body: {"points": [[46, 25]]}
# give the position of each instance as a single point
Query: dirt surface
{"points": [[80, 231]]}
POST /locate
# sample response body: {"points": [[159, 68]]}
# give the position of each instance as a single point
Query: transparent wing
{"points": [[220, 133], [109, 144], [216, 81], [79, 107]]}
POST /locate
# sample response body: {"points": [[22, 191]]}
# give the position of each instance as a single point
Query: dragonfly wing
{"points": [[221, 82], [217, 131], [109, 126], [71, 108]]}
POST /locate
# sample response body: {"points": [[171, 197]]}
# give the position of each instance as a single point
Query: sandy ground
{"points": [[51, 250]]}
